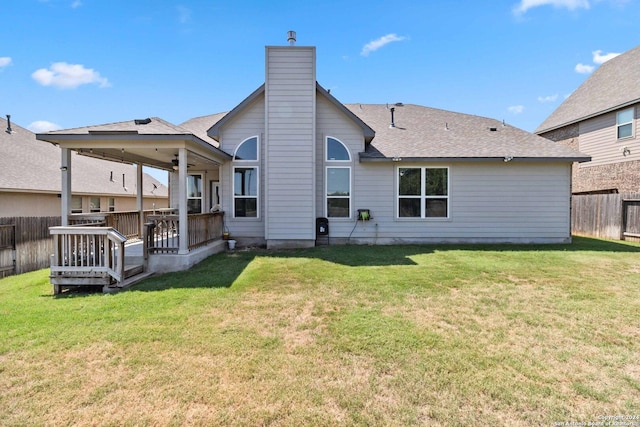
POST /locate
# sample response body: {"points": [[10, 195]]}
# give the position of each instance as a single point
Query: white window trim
{"points": [[326, 188], [233, 192], [201, 198], [326, 150], [631, 122], [422, 195], [240, 145]]}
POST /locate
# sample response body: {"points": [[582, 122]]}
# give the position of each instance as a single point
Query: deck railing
{"points": [[126, 222], [163, 231], [162, 234], [205, 228], [86, 256]]}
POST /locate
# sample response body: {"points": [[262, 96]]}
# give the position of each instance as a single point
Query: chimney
{"points": [[9, 130], [291, 38]]}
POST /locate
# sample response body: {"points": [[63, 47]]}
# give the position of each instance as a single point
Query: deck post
{"points": [[183, 225], [65, 169], [139, 199]]}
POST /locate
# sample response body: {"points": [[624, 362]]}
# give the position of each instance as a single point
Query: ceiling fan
{"points": [[176, 163]]}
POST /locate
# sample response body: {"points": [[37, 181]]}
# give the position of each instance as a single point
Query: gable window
{"points": [[338, 179], [336, 150], [247, 150], [245, 192], [423, 192], [194, 194], [624, 123]]}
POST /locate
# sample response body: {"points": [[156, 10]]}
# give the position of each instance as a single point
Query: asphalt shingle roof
{"points": [[200, 125], [150, 126], [34, 166], [430, 133], [614, 84]]}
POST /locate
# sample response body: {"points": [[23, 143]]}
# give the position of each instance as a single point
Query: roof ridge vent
{"points": [[142, 121]]}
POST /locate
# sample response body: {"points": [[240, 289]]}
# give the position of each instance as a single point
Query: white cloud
{"points": [[550, 98], [374, 45], [4, 61], [584, 69], [40, 126], [599, 58], [76, 4], [516, 109], [68, 76], [525, 5]]}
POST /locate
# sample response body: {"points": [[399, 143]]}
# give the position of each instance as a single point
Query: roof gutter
{"points": [[507, 159]]}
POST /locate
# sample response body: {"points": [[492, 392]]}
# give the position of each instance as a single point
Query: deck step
{"points": [[127, 283], [132, 270]]}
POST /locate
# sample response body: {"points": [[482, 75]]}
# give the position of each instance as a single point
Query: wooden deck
{"points": [[91, 254]]}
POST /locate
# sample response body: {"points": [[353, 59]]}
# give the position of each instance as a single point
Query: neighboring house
{"points": [[30, 181], [600, 119], [290, 157]]}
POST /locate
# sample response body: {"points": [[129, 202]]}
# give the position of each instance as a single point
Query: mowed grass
{"points": [[339, 335]]}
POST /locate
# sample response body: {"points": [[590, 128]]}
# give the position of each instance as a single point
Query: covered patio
{"points": [[91, 248]]}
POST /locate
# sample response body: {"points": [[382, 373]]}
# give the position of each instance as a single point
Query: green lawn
{"points": [[342, 335]]}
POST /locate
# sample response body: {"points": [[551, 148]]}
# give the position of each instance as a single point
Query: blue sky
{"points": [[70, 63]]}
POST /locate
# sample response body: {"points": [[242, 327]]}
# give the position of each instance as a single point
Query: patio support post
{"points": [[182, 202], [139, 198], [65, 169]]}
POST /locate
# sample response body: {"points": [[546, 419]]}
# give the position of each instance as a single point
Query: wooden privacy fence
{"points": [[7, 249], [606, 216], [33, 243]]}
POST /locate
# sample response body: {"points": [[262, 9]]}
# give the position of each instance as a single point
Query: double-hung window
{"points": [[423, 192], [76, 204], [624, 123], [94, 204], [245, 179], [194, 194], [338, 179]]}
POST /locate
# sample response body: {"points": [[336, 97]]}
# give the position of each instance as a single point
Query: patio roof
{"points": [[152, 142]]}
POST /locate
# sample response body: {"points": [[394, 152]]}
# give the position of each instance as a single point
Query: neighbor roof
{"points": [[615, 84], [429, 134], [29, 165]]}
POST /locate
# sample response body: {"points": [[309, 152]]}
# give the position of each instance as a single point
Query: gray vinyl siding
{"points": [[290, 97], [488, 202], [249, 123], [598, 138]]}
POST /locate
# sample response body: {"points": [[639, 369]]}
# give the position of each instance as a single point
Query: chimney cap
{"points": [[291, 37]]}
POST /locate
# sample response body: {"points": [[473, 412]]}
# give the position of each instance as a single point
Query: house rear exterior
{"points": [[423, 175], [291, 166], [600, 119]]}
